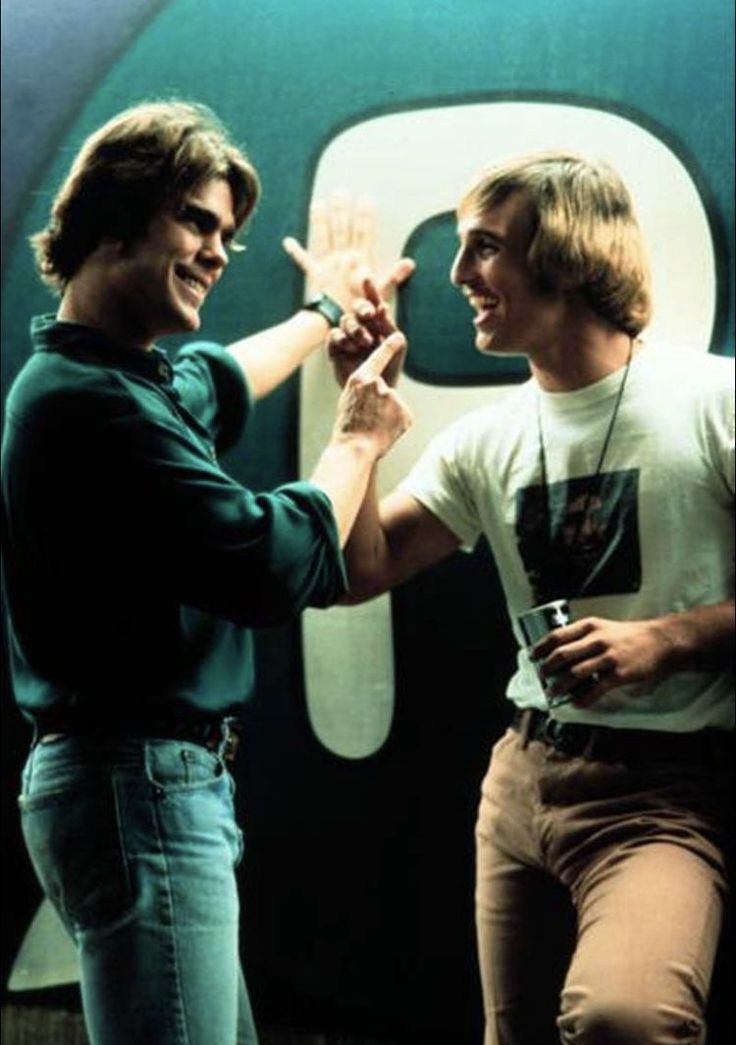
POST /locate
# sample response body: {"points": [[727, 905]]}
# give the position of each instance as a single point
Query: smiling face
{"points": [[159, 282], [512, 314]]}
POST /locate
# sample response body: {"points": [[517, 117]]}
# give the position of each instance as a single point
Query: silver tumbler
{"points": [[538, 622]]}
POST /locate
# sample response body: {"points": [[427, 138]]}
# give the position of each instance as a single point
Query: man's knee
{"points": [[628, 1022]]}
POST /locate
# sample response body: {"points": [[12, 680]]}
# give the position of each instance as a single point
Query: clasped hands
{"points": [[366, 350], [341, 261]]}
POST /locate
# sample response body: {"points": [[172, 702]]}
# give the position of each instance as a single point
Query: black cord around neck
{"points": [[593, 481]]}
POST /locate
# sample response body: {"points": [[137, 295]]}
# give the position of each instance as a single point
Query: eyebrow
{"points": [[478, 231], [207, 220]]}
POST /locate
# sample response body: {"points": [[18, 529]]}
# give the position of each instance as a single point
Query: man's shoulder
{"points": [[51, 385], [507, 412], [690, 382], [197, 359], [704, 369]]}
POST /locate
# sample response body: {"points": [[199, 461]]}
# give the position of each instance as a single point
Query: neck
{"points": [[89, 302], [581, 359]]}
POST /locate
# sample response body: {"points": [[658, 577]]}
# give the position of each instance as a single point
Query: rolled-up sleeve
{"points": [[213, 388], [252, 558]]}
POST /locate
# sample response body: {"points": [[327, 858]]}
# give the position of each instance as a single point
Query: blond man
{"points": [[607, 481]]}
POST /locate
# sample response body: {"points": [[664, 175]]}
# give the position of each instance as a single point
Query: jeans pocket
{"points": [[75, 841], [173, 765]]}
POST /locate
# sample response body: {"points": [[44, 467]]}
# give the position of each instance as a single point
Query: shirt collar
{"points": [[49, 334]]}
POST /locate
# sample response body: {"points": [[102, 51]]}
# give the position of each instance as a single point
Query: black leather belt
{"points": [[222, 734], [616, 745]]}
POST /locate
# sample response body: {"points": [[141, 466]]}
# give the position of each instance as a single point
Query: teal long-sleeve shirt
{"points": [[134, 566]]}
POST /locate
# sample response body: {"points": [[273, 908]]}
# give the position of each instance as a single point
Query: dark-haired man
{"points": [[135, 567]]}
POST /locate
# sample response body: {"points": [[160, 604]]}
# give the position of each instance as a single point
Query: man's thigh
{"points": [[649, 919]]}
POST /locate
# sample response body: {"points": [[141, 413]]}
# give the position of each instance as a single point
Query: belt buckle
{"points": [[231, 738], [561, 737]]}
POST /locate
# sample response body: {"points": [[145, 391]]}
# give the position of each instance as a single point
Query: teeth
{"points": [[192, 281], [484, 302]]}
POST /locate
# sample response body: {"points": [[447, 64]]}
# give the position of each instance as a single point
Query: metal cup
{"points": [[538, 622]]}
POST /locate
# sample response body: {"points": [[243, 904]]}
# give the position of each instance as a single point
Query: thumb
{"points": [[297, 253], [394, 276]]}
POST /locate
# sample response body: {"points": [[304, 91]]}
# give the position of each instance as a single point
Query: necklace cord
{"points": [[599, 467]]}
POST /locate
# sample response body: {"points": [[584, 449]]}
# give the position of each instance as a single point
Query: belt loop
{"points": [[525, 726], [589, 750]]}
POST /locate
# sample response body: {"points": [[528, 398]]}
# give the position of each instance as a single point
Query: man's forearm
{"points": [[367, 551], [700, 636], [344, 472], [271, 356]]}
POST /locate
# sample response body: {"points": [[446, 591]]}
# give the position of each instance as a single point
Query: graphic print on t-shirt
{"points": [[580, 537]]}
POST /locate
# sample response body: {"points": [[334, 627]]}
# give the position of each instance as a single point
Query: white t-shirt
{"points": [[657, 536]]}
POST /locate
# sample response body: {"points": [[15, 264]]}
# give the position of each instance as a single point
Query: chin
{"points": [[188, 321], [484, 344], [488, 345]]}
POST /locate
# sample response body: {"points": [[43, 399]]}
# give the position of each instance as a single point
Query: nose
{"points": [[459, 268], [214, 252]]}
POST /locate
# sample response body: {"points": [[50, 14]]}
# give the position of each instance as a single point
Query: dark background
{"points": [[357, 881]]}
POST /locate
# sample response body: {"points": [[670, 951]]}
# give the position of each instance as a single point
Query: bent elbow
{"points": [[362, 589]]}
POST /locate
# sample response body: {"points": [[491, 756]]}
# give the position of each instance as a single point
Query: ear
{"points": [[110, 249], [105, 256]]}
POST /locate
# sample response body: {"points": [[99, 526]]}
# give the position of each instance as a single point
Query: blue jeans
{"points": [[135, 843]]}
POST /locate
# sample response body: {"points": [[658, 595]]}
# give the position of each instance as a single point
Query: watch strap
{"points": [[327, 307]]}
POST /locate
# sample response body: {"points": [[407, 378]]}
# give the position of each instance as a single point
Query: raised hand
{"points": [[368, 406], [360, 331], [341, 253]]}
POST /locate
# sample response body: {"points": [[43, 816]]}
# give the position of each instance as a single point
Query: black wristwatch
{"points": [[326, 307]]}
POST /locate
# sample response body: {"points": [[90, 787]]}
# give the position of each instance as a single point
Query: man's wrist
{"points": [[326, 307], [698, 637], [360, 444]]}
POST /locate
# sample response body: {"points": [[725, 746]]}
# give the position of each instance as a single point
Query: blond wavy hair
{"points": [[586, 235]]}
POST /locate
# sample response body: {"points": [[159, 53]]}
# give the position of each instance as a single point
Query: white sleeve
{"points": [[440, 480], [720, 423]]}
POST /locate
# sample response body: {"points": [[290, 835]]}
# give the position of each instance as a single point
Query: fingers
{"points": [[373, 314], [320, 236], [343, 224], [364, 229], [301, 257], [339, 221], [369, 408], [561, 637], [371, 291], [369, 322], [344, 348], [340, 254], [380, 358], [360, 332], [394, 276], [583, 683]]}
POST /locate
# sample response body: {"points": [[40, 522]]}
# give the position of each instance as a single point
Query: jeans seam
{"points": [[177, 1006], [122, 840]]}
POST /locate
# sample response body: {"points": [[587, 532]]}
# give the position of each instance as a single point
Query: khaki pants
{"points": [[638, 849]]}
